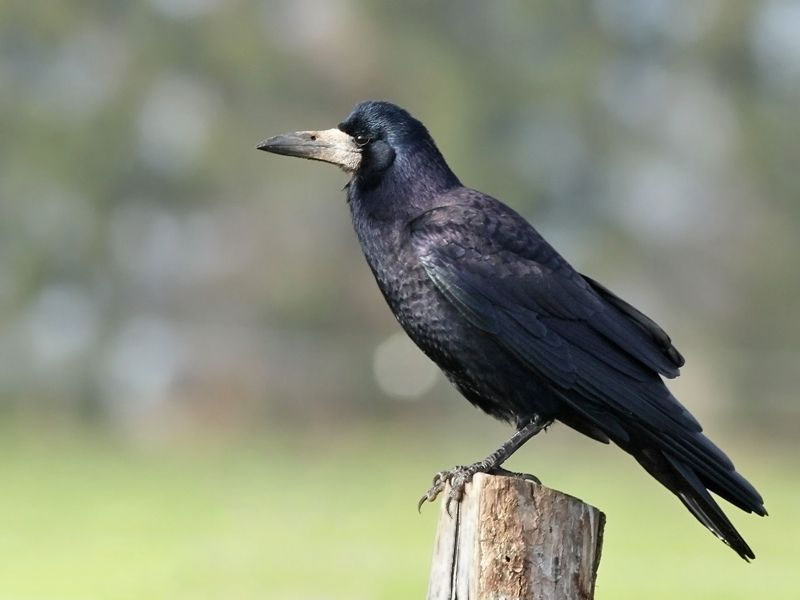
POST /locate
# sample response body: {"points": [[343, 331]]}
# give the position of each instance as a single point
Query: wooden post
{"points": [[511, 539]]}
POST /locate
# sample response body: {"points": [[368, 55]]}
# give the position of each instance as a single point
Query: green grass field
{"points": [[331, 514]]}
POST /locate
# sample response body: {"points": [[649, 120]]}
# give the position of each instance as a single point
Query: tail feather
{"points": [[715, 471], [700, 503], [683, 480]]}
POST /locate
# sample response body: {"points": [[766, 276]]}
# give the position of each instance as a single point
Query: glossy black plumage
{"points": [[514, 327]]}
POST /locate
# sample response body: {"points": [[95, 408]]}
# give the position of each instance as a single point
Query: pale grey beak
{"points": [[330, 145]]}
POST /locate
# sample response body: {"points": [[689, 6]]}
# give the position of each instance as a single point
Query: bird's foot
{"points": [[458, 477]]}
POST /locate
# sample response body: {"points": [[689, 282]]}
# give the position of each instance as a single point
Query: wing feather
{"points": [[507, 281]]}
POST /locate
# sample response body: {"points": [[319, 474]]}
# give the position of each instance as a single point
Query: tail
{"points": [[692, 466]]}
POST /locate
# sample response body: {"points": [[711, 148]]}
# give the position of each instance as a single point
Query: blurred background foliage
{"points": [[196, 366]]}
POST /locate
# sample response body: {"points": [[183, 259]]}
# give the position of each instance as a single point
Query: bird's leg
{"points": [[458, 477]]}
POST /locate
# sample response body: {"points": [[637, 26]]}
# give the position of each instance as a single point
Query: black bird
{"points": [[518, 331]]}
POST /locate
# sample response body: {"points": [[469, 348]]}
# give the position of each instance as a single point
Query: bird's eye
{"points": [[362, 139]]}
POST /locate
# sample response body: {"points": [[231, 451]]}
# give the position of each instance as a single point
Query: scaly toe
{"points": [[440, 481], [458, 482], [430, 496]]}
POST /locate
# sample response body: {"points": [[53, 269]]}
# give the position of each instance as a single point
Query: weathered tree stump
{"points": [[511, 539]]}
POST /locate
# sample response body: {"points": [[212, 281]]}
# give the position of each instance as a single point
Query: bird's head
{"points": [[367, 143]]}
